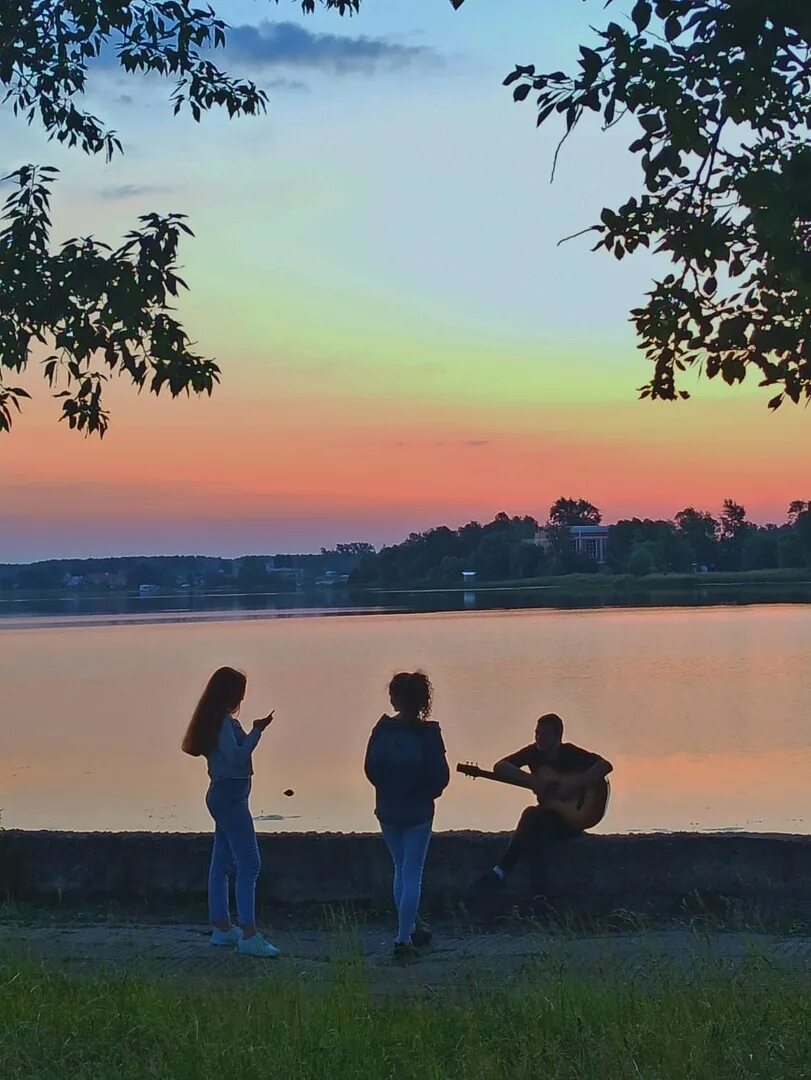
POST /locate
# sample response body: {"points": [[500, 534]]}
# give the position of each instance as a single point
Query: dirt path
{"points": [[182, 951]]}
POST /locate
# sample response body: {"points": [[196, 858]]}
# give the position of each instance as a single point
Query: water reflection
{"points": [[342, 600], [703, 712]]}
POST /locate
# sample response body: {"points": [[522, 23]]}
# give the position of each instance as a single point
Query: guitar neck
{"points": [[486, 774]]}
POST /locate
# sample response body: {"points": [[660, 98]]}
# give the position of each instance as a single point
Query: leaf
{"points": [[521, 91], [641, 15], [591, 62], [672, 28]]}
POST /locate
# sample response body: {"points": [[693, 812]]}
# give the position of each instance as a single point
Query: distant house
{"points": [[332, 577], [588, 540], [287, 573], [148, 590], [73, 581], [468, 576], [107, 580], [281, 567]]}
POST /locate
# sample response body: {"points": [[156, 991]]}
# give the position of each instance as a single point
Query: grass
{"points": [[552, 1024], [608, 582], [670, 588]]}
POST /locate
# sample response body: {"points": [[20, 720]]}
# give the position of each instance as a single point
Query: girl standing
{"points": [[406, 763], [216, 734]]}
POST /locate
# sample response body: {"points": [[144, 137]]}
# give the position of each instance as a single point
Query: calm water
{"points": [[195, 606], [704, 712]]}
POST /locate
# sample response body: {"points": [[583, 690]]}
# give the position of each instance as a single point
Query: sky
{"points": [[376, 268]]}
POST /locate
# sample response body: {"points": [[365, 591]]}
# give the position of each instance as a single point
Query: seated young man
{"points": [[540, 825]]}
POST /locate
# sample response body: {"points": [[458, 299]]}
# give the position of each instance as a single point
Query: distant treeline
{"points": [[516, 548], [504, 549], [171, 572]]}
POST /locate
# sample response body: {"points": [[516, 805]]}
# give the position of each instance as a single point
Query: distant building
{"points": [[468, 575], [148, 590], [588, 540], [287, 573], [332, 577], [108, 580]]}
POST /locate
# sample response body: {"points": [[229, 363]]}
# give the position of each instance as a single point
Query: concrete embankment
{"points": [[753, 875]]}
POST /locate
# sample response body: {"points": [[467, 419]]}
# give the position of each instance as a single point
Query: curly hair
{"points": [[412, 695]]}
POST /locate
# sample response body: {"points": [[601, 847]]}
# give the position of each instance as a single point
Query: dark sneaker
{"points": [[404, 954], [488, 883], [422, 936]]}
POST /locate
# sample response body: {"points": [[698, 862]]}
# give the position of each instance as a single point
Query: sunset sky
{"points": [[376, 269]]}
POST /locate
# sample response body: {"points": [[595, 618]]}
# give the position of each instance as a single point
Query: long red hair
{"points": [[222, 695]]}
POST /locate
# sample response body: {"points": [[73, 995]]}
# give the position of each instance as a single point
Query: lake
{"points": [[703, 711]]}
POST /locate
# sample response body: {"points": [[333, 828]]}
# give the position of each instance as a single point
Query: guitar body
{"points": [[585, 809]]}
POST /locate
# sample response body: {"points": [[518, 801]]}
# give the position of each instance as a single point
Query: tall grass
{"points": [[553, 1025]]}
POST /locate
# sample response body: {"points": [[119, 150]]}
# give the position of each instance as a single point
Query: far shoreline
{"points": [[597, 591]]}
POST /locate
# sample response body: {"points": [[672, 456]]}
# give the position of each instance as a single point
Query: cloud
{"points": [[443, 442], [276, 44], [286, 44], [287, 86], [132, 191]]}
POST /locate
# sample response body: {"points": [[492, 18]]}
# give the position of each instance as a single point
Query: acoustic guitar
{"points": [[583, 810]]}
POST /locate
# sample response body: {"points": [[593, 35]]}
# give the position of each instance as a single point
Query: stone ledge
{"points": [[661, 874]]}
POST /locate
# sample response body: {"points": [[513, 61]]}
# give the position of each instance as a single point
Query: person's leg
{"points": [[222, 864], [242, 838], [220, 870], [415, 850], [219, 908], [537, 829], [524, 840], [393, 835], [234, 822]]}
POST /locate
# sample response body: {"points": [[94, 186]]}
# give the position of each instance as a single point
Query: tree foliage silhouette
{"points": [[720, 94], [98, 311], [568, 512]]}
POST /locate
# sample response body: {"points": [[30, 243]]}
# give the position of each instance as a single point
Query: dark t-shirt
{"points": [[570, 758]]}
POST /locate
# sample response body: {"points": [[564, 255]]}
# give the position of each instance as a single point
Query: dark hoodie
{"points": [[406, 763]]}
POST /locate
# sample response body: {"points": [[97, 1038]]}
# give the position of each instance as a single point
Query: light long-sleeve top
{"points": [[231, 757]]}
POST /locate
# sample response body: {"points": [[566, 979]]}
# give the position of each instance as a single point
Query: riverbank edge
{"points": [[748, 876], [570, 585]]}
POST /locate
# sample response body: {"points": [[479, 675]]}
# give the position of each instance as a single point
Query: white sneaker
{"points": [[256, 946], [226, 937]]}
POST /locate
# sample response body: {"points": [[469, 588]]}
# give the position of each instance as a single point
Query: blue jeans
{"points": [[235, 848], [408, 847]]}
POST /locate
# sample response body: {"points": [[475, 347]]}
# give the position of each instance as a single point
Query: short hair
{"points": [[551, 719]]}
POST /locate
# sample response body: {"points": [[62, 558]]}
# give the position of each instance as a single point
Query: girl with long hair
{"points": [[407, 765], [216, 734]]}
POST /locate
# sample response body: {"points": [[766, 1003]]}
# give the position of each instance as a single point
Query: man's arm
{"points": [[597, 773], [590, 777], [513, 774], [512, 768]]}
